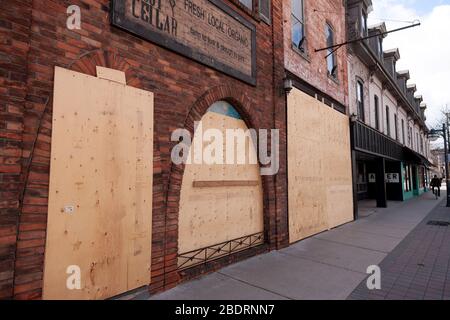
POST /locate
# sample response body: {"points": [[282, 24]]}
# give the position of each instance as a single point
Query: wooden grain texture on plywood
{"points": [[100, 197], [210, 211], [111, 74], [319, 167]]}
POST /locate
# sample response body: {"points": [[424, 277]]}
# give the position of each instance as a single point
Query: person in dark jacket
{"points": [[436, 183]]}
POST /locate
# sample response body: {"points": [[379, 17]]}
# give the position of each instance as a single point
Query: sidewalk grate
{"points": [[438, 223]]}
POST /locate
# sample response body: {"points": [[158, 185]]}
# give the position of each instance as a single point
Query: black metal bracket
{"points": [[338, 46]]}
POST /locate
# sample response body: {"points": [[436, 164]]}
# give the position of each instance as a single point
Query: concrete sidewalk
{"points": [[327, 266], [419, 267]]}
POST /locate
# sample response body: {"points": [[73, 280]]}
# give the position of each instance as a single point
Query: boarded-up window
{"points": [[264, 10], [219, 202], [100, 194], [319, 167]]}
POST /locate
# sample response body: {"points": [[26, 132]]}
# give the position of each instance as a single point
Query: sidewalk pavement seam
{"points": [[321, 262], [353, 246], [379, 234], [254, 286]]}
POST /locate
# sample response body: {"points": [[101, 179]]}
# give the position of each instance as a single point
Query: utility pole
{"points": [[447, 117], [435, 133]]}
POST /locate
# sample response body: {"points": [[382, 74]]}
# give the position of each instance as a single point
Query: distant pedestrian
{"points": [[436, 183]]}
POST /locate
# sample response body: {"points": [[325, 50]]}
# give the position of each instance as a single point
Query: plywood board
{"points": [[100, 197], [225, 183], [219, 202], [319, 167], [111, 74]]}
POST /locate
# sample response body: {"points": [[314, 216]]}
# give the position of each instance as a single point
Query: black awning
{"points": [[415, 157]]}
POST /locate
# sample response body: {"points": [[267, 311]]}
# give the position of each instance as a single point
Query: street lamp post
{"points": [[443, 133]]}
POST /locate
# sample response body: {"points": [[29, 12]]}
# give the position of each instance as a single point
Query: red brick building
{"points": [[35, 40], [248, 64]]}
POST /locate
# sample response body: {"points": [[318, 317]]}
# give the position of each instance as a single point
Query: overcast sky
{"points": [[424, 50]]}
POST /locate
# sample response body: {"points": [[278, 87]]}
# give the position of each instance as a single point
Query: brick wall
{"points": [[311, 66], [183, 91], [15, 20]]}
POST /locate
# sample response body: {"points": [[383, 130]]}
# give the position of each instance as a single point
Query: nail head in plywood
{"points": [[111, 74]]}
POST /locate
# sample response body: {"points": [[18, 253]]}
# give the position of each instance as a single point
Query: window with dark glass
{"points": [[363, 23], [388, 122], [380, 47], [331, 53], [247, 3], [377, 113], [421, 145], [417, 142], [403, 131], [360, 100], [264, 10], [396, 126], [410, 137], [298, 24]]}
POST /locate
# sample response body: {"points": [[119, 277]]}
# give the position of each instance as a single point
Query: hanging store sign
{"points": [[372, 178], [207, 31]]}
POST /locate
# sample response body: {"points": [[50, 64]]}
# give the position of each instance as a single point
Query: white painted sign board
{"points": [[392, 177]]}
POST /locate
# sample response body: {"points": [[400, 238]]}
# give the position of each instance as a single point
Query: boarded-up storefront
{"points": [[221, 205], [100, 197], [319, 167]]}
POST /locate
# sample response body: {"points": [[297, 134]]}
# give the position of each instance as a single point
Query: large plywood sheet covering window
{"points": [[319, 167], [100, 197], [220, 202]]}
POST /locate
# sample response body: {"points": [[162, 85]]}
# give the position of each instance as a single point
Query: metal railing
{"points": [[370, 140], [201, 256]]}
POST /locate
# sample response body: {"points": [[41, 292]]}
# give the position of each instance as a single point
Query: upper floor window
{"points": [[417, 141], [380, 47], [396, 126], [410, 137], [377, 113], [388, 122], [360, 100], [421, 144], [247, 3], [331, 54], [264, 10], [297, 24], [363, 23], [403, 131]]}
